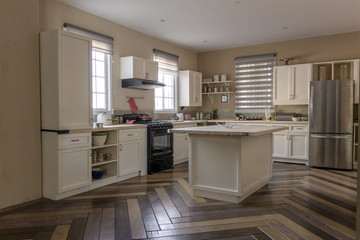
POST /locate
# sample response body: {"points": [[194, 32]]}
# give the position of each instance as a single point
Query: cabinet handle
{"points": [[75, 140], [120, 147], [130, 134]]}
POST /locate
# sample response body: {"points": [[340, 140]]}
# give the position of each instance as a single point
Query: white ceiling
{"points": [[205, 25]]}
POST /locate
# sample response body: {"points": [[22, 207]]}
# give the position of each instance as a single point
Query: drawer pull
{"points": [[75, 140], [130, 134]]}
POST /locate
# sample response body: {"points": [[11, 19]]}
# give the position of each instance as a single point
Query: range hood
{"points": [[137, 83]]}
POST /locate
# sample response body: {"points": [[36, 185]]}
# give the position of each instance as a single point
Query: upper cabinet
{"points": [[135, 67], [291, 84], [345, 69], [65, 81], [190, 88]]}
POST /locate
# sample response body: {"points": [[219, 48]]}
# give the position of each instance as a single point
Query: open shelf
{"points": [[104, 146], [226, 82], [104, 162]]}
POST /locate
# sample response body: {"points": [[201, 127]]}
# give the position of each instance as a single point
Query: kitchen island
{"points": [[229, 163]]}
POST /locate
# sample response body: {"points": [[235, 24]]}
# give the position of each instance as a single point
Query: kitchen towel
{"points": [[133, 106]]}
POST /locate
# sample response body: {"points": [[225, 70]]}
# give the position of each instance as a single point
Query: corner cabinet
{"points": [[65, 81], [190, 88], [135, 67], [291, 84]]}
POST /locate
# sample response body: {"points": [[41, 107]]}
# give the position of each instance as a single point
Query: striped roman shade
{"points": [[168, 63], [254, 83]]}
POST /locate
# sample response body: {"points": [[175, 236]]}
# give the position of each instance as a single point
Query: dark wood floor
{"points": [[298, 203]]}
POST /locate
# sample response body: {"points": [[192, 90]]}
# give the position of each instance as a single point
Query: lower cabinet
{"points": [[181, 143], [292, 145], [73, 169], [65, 164], [129, 157], [181, 152]]}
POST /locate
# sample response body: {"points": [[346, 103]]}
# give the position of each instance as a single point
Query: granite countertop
{"points": [[234, 131], [110, 128], [259, 121]]}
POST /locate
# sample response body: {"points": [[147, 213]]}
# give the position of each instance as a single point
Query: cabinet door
{"points": [[139, 67], [180, 147], [282, 76], [74, 169], [129, 157], [74, 94], [280, 145], [298, 146], [195, 89], [301, 76], [151, 71]]}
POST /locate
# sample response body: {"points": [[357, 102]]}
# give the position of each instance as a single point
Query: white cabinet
{"points": [[73, 169], [291, 145], [135, 67], [66, 166], [132, 153], [65, 81], [181, 144], [343, 69], [190, 88], [181, 152], [291, 84]]}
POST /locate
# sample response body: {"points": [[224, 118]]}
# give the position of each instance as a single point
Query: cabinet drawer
{"points": [[127, 135], [299, 128], [67, 141]]}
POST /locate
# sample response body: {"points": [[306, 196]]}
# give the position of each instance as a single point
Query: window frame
{"points": [[108, 78], [172, 70]]}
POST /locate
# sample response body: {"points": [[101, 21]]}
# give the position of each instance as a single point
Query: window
{"points": [[101, 63], [165, 97], [101, 76], [254, 83]]}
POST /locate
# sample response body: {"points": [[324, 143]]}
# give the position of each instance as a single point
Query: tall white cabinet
{"points": [[190, 88], [65, 81], [291, 84]]}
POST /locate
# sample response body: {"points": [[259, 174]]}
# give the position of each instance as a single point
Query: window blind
{"points": [[100, 42], [254, 83], [167, 62]]}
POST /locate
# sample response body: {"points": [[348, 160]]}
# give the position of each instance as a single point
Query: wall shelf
{"points": [[211, 94]]}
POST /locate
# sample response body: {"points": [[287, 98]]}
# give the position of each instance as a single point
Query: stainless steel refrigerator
{"points": [[331, 122]]}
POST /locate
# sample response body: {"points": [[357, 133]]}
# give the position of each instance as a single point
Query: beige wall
{"points": [[326, 48], [20, 160], [127, 43]]}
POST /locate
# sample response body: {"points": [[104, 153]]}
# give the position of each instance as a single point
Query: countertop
{"points": [[110, 128], [234, 131]]}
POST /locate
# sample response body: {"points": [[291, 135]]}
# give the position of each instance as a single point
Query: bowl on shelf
{"points": [[97, 173], [99, 138]]}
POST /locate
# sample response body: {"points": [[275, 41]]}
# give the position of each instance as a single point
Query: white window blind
{"points": [[254, 83], [101, 64], [165, 97]]}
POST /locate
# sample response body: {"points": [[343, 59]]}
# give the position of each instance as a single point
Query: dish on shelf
{"points": [[97, 173], [99, 138]]}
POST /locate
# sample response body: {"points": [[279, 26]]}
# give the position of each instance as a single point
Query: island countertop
{"points": [[234, 131]]}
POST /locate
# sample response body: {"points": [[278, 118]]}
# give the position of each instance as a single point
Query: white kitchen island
{"points": [[229, 164]]}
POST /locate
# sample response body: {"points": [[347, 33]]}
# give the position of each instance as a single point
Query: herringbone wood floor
{"points": [[298, 203]]}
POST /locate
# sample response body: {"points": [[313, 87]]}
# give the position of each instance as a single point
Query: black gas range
{"points": [[159, 142]]}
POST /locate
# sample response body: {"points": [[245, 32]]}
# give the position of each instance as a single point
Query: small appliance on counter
{"points": [[284, 116], [104, 118]]}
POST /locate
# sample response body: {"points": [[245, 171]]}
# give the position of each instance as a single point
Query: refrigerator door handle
{"points": [[311, 107], [333, 137]]}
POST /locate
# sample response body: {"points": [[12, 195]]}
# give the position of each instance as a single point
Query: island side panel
{"points": [[255, 163], [213, 163]]}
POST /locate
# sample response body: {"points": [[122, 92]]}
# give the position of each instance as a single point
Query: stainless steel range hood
{"points": [[136, 83]]}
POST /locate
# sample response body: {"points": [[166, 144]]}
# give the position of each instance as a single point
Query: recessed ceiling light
{"points": [[162, 20], [205, 41], [284, 28]]}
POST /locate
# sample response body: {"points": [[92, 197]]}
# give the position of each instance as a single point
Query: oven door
{"points": [[160, 143]]}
